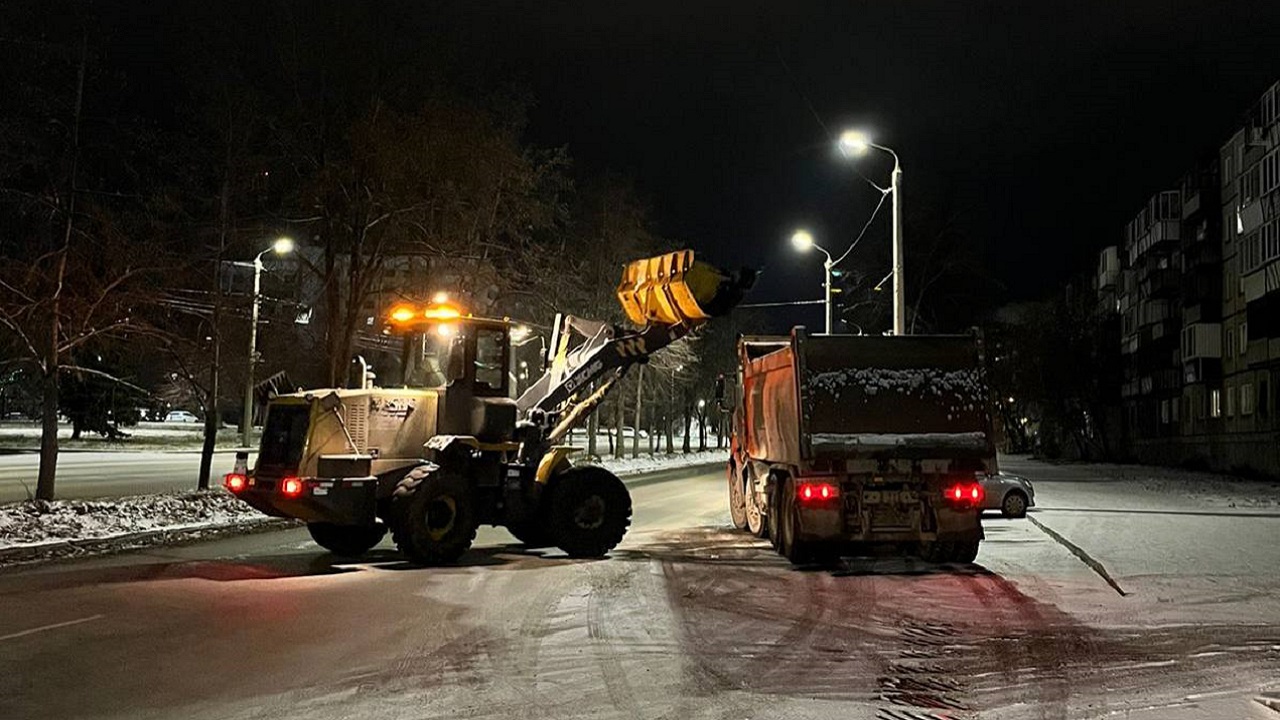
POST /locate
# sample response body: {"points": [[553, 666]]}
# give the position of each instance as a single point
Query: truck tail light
{"points": [[964, 494], [817, 494], [235, 482], [291, 487]]}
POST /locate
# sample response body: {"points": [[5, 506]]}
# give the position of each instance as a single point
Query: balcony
{"points": [[1190, 203], [1166, 231], [1263, 281], [1202, 370], [1164, 282], [1153, 312], [1202, 340], [1108, 268]]}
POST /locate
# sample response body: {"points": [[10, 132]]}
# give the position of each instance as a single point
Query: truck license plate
{"points": [[890, 497]]}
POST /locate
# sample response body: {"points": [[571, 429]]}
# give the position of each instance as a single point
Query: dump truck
{"points": [[441, 444], [851, 444]]}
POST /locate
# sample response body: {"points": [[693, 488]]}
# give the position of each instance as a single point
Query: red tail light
{"points": [[964, 494], [235, 482], [814, 494], [291, 487]]}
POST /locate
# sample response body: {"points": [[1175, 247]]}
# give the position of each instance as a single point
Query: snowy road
{"points": [[687, 620], [108, 474]]}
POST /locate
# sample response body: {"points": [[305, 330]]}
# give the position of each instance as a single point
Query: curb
{"points": [[68, 550]]}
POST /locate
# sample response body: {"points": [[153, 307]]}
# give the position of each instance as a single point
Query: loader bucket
{"points": [[675, 289]]}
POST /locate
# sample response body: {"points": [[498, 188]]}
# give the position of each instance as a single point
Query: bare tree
{"points": [[73, 257]]}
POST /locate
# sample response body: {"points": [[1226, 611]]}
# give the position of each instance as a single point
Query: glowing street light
{"points": [[281, 246], [803, 241], [854, 143]]}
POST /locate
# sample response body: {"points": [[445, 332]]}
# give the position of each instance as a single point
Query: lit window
{"points": [[1215, 403]]}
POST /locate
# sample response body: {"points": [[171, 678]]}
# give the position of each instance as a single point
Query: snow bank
{"points": [[35, 523], [649, 463]]}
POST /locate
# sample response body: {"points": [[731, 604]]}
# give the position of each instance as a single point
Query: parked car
{"points": [[181, 416], [1010, 494]]}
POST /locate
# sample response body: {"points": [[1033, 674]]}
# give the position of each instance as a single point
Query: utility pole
{"points": [[899, 277], [246, 421]]}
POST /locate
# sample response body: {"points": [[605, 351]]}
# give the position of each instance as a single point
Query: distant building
{"points": [[1198, 292]]}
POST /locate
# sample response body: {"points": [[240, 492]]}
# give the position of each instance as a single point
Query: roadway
{"points": [[83, 475], [688, 619]]}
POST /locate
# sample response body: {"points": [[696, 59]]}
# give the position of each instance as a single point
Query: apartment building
{"points": [[1198, 292]]}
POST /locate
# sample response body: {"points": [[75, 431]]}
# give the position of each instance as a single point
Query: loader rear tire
{"points": [[435, 515], [737, 498], [590, 511], [347, 540]]}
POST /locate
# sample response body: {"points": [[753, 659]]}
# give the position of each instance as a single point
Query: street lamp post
{"points": [[280, 247], [856, 143], [803, 240]]}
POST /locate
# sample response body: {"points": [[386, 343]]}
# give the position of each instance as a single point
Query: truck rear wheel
{"points": [[590, 511], [435, 515], [737, 498], [757, 522], [938, 551], [789, 544], [966, 552], [346, 540]]}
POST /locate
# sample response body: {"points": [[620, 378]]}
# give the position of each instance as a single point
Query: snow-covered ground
{"points": [[28, 524], [649, 463], [32, 524]]}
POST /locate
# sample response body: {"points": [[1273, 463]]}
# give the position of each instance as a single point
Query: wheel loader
{"points": [[441, 445]]}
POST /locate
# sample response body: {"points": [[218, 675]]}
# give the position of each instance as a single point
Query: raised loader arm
{"points": [[668, 296]]}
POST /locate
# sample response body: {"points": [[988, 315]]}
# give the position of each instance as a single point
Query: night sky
{"points": [[1045, 125]]}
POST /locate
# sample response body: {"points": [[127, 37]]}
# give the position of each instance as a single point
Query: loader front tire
{"points": [[590, 511], [346, 540], [434, 515]]}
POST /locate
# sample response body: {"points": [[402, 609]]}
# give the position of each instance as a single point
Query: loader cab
{"points": [[467, 361]]}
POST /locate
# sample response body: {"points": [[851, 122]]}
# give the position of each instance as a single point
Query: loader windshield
{"points": [[425, 361]]}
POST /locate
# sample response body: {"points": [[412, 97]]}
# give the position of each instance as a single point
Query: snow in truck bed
{"points": [[847, 442], [959, 391]]}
